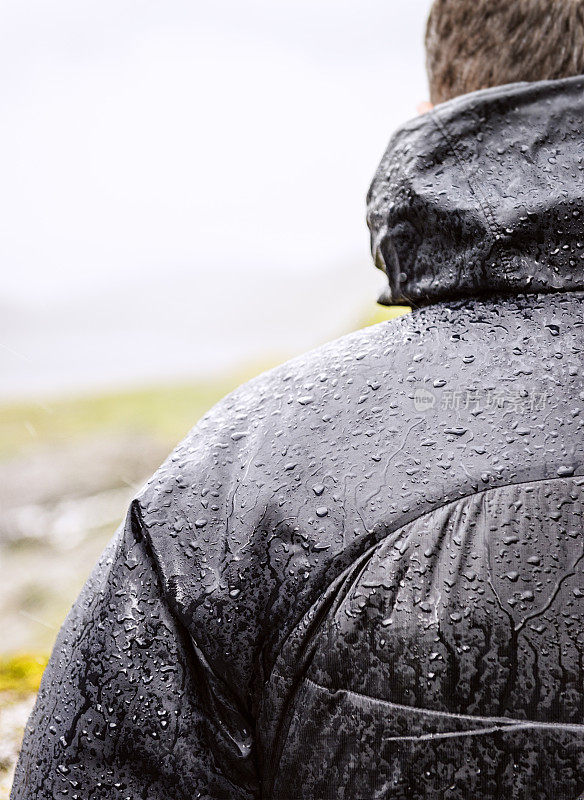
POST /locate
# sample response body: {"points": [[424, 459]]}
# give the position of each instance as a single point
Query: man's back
{"points": [[362, 575]]}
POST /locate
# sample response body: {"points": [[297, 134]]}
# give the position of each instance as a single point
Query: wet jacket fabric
{"points": [[361, 575]]}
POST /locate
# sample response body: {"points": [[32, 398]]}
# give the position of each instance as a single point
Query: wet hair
{"points": [[473, 44]]}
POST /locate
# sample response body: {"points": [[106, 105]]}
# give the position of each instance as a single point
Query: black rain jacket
{"points": [[361, 575]]}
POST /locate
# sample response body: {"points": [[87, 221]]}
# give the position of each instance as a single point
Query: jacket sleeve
{"points": [[128, 706]]}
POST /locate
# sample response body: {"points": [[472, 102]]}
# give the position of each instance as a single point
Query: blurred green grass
{"points": [[166, 412], [22, 673]]}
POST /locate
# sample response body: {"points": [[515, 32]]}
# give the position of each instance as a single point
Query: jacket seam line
{"points": [[506, 721], [491, 294], [400, 527], [484, 491]]}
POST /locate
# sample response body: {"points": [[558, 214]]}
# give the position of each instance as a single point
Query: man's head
{"points": [[474, 44]]}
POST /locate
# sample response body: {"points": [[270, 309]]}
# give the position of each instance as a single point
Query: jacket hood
{"points": [[484, 195]]}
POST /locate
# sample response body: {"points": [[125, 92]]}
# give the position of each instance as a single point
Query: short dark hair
{"points": [[473, 44]]}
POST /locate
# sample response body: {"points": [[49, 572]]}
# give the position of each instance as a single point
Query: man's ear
{"points": [[423, 108]]}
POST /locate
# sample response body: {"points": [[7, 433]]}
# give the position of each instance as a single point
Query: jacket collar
{"points": [[484, 195]]}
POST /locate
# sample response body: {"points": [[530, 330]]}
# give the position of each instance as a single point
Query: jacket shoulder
{"points": [[277, 402]]}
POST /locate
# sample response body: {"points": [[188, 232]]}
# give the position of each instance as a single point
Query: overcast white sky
{"points": [[183, 181]]}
